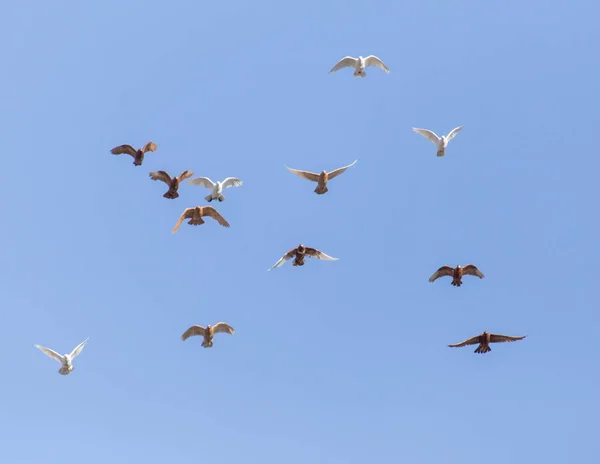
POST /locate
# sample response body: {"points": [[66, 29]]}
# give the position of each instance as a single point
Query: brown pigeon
{"points": [[208, 332], [484, 341], [456, 273], [299, 254], [173, 183], [195, 216], [138, 155], [322, 178]]}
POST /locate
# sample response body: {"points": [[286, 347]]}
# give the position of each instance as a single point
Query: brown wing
{"points": [[187, 214], [124, 150], [314, 253], [471, 341], [213, 213], [471, 269], [150, 146], [185, 175], [161, 175], [222, 327], [289, 255], [305, 174], [193, 330], [338, 171], [441, 272], [496, 338]]}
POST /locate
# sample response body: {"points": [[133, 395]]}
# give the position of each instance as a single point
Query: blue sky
{"points": [[335, 362]]}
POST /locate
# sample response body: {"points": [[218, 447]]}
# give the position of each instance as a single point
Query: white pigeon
{"points": [[217, 188], [440, 142], [359, 64], [65, 360]]}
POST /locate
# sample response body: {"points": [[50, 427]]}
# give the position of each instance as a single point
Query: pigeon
{"points": [[208, 332], [359, 64], [440, 142], [299, 254], [321, 178], [456, 273], [173, 183], [195, 216], [65, 360], [484, 341], [217, 188], [138, 155]]}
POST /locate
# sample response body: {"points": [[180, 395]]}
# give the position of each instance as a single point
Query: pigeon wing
{"points": [[231, 182], [162, 176], [429, 135], [372, 60], [305, 174], [213, 213], [193, 330], [338, 171], [344, 63], [441, 272], [124, 150], [50, 353]]}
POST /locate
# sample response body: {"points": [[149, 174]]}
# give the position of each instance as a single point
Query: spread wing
{"points": [[187, 214], [231, 182], [496, 338], [213, 213], [471, 341], [305, 174], [50, 353], [372, 60], [289, 255], [344, 63], [185, 175], [314, 253], [78, 349], [150, 146], [193, 330], [471, 269], [338, 171], [161, 175], [429, 135], [441, 272], [124, 150], [203, 182], [222, 327], [453, 133]]}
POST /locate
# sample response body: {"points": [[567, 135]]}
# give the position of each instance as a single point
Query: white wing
{"points": [[428, 135], [344, 63], [231, 182], [372, 60], [78, 349], [203, 182], [453, 133], [50, 353], [325, 257]]}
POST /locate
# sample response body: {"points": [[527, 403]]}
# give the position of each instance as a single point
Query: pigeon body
{"points": [[138, 155], [299, 254], [440, 142], [359, 64], [216, 187], [172, 182], [207, 332], [456, 273], [484, 340], [196, 214], [65, 360], [322, 178]]}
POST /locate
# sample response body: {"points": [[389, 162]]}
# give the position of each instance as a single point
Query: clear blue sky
{"points": [[335, 362]]}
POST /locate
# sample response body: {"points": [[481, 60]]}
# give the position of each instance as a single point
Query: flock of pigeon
{"points": [[298, 253]]}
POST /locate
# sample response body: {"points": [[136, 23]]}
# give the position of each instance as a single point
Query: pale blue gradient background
{"points": [[336, 362]]}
